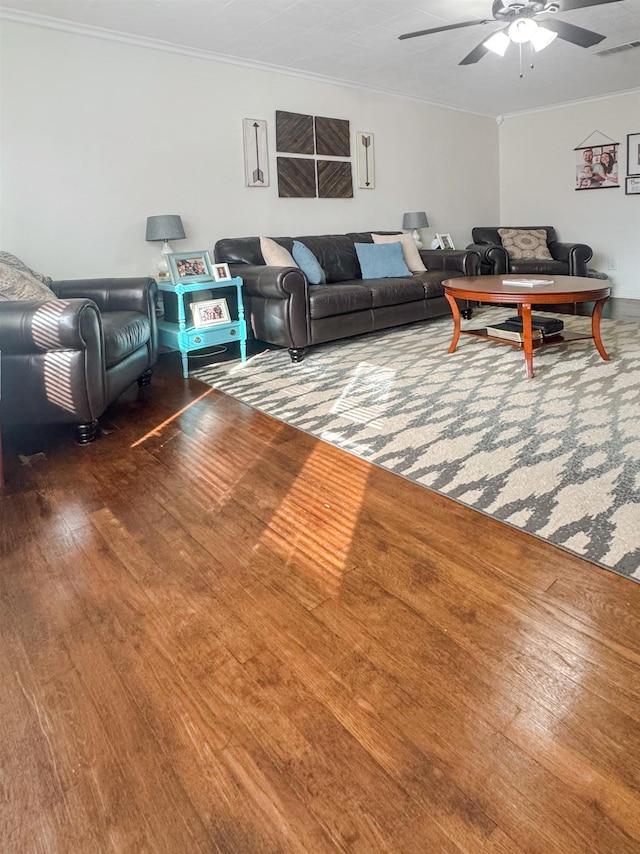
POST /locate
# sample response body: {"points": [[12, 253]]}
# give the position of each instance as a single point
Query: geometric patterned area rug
{"points": [[557, 456]]}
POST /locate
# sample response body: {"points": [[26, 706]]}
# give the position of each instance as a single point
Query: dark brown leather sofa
{"points": [[284, 309], [568, 259], [65, 360]]}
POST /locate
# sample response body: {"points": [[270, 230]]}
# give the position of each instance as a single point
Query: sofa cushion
{"points": [[338, 298], [124, 332], [525, 244], [550, 268], [336, 255], [18, 283], [392, 291], [409, 249], [274, 254], [308, 263], [381, 260]]}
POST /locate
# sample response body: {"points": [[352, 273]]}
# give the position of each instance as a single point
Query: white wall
{"points": [[97, 135], [537, 182]]}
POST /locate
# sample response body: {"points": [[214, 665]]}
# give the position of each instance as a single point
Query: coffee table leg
{"points": [[455, 311], [595, 328], [528, 340]]}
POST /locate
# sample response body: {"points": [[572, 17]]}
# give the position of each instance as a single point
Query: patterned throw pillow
{"points": [[275, 255], [528, 244], [17, 284], [12, 261], [409, 249]]}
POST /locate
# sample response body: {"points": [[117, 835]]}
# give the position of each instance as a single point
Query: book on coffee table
{"points": [[509, 333], [527, 283]]}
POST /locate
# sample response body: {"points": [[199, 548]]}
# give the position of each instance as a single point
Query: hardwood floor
{"points": [[218, 634]]}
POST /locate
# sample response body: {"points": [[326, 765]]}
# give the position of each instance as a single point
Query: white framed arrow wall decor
{"points": [[365, 160], [256, 163]]}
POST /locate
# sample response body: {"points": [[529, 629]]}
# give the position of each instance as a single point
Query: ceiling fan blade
{"points": [[475, 56], [569, 5], [441, 29], [573, 34]]}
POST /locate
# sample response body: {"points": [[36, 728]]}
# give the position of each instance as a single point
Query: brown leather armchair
{"points": [[567, 259], [65, 360]]}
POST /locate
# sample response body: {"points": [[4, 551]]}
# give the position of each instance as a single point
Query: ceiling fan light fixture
{"points": [[498, 42], [521, 30], [542, 37]]}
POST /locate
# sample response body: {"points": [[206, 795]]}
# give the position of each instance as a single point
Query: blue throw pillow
{"points": [[381, 260], [308, 263]]}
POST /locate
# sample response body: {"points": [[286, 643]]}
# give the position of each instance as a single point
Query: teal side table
{"points": [[185, 337]]}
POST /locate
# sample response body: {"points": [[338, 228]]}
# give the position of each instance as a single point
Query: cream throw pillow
{"points": [[275, 255], [409, 249], [526, 244]]}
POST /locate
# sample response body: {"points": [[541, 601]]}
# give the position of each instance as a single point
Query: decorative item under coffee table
{"points": [[555, 291]]}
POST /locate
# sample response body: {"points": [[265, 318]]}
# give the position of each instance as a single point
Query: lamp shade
{"points": [[416, 219], [167, 227]]}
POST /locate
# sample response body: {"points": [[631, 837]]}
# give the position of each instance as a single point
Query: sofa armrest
{"points": [[576, 255], [493, 257], [121, 294], [278, 303], [458, 260], [41, 326], [271, 282]]}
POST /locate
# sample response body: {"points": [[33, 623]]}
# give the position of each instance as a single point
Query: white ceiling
{"points": [[356, 41]]}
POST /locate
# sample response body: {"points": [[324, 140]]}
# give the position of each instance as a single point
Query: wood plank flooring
{"points": [[218, 634]]}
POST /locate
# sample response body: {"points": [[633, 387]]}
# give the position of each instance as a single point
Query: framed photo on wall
{"points": [[632, 187], [187, 267], [633, 154], [210, 312], [597, 166]]}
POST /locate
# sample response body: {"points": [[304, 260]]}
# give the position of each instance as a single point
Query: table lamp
{"points": [[167, 227], [415, 220]]}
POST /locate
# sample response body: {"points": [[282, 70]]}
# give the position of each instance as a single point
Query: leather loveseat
{"points": [[566, 259], [287, 311], [65, 360]]}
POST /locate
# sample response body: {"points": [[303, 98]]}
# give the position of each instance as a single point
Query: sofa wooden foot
{"points": [[297, 353], [145, 380], [86, 433], [467, 313]]}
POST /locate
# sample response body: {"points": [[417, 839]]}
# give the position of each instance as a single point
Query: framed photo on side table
{"points": [[633, 154], [188, 267], [632, 187], [221, 272], [445, 241], [210, 312]]}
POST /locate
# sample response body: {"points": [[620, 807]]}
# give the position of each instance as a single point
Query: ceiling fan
{"points": [[521, 26]]}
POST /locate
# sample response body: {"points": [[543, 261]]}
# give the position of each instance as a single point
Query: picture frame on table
{"points": [[632, 186], [445, 241], [187, 267], [633, 154], [210, 312], [221, 272]]}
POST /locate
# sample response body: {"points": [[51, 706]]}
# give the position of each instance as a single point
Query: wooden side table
{"points": [[186, 337]]}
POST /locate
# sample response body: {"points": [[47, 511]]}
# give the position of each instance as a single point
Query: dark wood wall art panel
{"points": [[332, 137], [296, 178], [294, 132], [334, 179]]}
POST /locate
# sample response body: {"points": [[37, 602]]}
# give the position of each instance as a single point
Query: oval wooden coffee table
{"points": [[563, 289]]}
